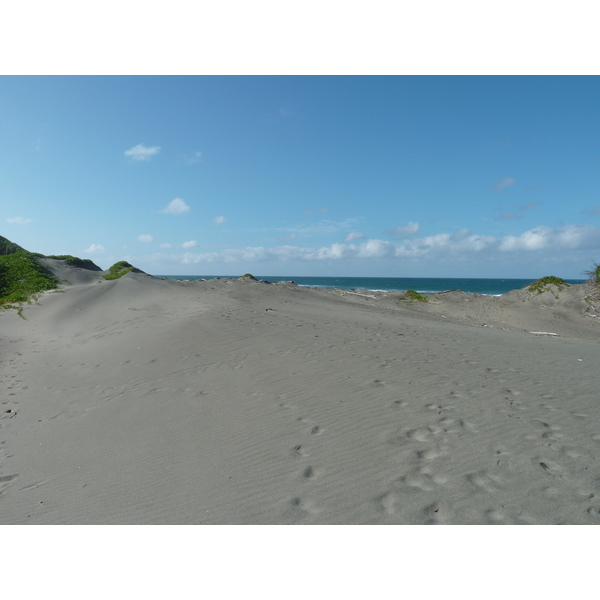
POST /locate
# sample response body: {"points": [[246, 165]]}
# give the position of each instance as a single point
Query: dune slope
{"points": [[143, 400]]}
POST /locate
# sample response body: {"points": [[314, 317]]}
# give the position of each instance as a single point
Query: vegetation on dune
{"points": [[8, 247], [594, 275], [248, 277], [543, 285], [413, 296], [594, 283], [118, 270], [22, 279], [83, 263]]}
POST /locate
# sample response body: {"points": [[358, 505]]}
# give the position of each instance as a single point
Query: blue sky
{"points": [[434, 176]]}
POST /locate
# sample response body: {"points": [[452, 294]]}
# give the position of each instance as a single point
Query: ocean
{"points": [[491, 287]]}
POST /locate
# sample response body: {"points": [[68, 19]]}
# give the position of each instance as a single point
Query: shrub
{"points": [[594, 275], [248, 277], [118, 270], [23, 279], [8, 247], [543, 285], [413, 296]]}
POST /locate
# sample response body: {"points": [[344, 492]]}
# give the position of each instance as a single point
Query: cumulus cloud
{"points": [[354, 235], [219, 220], [95, 249], [411, 228], [506, 182], [18, 220], [189, 244], [176, 207], [141, 152], [145, 238], [542, 238], [458, 244]]}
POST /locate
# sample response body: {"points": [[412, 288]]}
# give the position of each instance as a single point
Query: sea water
{"points": [[492, 287]]}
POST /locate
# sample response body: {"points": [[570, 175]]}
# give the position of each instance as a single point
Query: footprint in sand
{"points": [[421, 434], [309, 473], [298, 451], [300, 508]]}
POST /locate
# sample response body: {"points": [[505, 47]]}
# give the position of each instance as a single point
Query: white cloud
{"points": [[556, 242], [165, 246], [376, 249], [506, 182], [354, 235], [541, 238], [176, 207], [190, 244], [146, 239], [95, 249], [18, 220], [141, 152], [411, 228], [219, 221]]}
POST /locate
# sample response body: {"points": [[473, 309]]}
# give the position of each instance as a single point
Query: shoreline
{"points": [[425, 285]]}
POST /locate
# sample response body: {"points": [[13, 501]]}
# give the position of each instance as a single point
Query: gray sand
{"points": [[148, 401]]}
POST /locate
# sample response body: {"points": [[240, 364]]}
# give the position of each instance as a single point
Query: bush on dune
{"points": [[22, 279], [8, 247], [118, 270], [83, 263], [544, 285]]}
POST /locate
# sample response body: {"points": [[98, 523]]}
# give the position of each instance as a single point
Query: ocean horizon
{"points": [[489, 287]]}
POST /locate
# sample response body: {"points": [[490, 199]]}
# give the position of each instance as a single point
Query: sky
{"points": [[390, 176]]}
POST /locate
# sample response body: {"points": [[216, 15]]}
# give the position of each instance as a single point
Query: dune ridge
{"points": [[153, 401]]}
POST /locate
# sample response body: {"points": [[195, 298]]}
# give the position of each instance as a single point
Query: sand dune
{"points": [[142, 400]]}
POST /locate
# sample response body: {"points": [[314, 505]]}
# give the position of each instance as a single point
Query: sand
{"points": [[152, 401]]}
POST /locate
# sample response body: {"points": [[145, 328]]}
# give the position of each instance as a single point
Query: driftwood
{"points": [[342, 292]]}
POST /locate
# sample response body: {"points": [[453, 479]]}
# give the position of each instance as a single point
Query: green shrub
{"points": [[248, 277], [8, 247], [118, 270], [543, 285], [22, 279], [413, 296]]}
